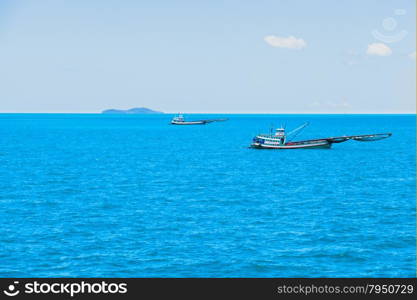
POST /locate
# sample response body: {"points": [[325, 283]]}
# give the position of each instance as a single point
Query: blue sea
{"points": [[91, 195]]}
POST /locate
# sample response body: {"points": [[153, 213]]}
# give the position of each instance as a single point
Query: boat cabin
{"points": [[272, 139], [280, 132], [178, 118]]}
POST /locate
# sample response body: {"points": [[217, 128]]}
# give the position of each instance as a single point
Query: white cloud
{"points": [[343, 104], [285, 42], [412, 55], [379, 49]]}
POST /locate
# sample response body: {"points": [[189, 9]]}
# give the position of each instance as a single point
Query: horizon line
{"points": [[229, 113]]}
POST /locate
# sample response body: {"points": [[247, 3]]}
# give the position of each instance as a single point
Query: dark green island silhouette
{"points": [[135, 110]]}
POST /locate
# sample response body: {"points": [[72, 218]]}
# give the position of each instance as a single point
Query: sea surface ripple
{"points": [[89, 195]]}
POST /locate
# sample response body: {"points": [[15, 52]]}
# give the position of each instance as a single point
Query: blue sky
{"points": [[229, 56]]}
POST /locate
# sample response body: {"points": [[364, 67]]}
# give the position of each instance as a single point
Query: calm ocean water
{"points": [[131, 196]]}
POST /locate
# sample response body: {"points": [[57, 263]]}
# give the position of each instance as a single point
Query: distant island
{"points": [[135, 110]]}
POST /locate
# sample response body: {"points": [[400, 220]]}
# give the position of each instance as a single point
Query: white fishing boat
{"points": [[180, 120], [279, 140]]}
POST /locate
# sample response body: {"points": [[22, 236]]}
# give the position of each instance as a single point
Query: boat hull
{"points": [[189, 123], [319, 145]]}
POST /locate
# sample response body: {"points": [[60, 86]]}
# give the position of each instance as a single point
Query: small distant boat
{"points": [[280, 140], [179, 120]]}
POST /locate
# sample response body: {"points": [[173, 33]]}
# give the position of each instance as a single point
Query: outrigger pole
{"points": [[297, 130], [359, 138]]}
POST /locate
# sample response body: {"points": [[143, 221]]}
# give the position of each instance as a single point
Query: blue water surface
{"points": [[90, 195]]}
